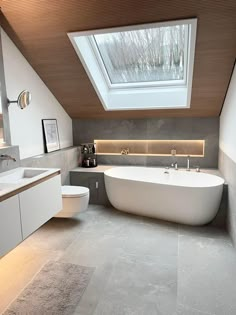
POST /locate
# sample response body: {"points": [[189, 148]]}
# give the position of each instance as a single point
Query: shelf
{"points": [[194, 148]]}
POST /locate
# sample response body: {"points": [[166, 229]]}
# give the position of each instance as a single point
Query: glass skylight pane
{"points": [[145, 55]]}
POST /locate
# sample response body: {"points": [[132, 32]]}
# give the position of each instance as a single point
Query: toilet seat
{"points": [[75, 199], [74, 191]]}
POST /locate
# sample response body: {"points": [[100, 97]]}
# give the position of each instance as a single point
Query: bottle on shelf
{"points": [[89, 155]]}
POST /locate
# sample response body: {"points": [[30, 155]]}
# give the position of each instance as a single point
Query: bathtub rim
{"points": [[219, 178]]}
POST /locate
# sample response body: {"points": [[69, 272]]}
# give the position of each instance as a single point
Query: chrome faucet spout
{"points": [[188, 163], [6, 157]]}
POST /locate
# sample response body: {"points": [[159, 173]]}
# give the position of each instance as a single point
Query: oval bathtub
{"points": [[178, 196]]}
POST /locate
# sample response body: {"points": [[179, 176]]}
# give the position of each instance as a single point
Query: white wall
{"points": [[228, 121], [26, 125], [227, 154]]}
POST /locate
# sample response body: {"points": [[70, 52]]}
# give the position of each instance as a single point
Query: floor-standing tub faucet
{"points": [[175, 165], [188, 163]]}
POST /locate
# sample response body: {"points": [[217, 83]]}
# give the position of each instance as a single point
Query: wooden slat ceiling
{"points": [[39, 29]]}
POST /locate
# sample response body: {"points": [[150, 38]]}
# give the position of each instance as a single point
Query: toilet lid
{"points": [[74, 191]]}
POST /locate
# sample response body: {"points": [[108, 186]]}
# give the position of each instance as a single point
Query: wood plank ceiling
{"points": [[39, 29]]}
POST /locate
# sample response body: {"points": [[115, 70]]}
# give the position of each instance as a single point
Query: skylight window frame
{"points": [[136, 98], [147, 84]]}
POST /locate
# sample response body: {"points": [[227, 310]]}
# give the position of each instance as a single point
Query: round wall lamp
{"points": [[23, 99]]}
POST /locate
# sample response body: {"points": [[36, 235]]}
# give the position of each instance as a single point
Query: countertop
{"points": [[8, 189]]}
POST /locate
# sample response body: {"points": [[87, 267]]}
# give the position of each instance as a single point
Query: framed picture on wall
{"points": [[51, 137]]}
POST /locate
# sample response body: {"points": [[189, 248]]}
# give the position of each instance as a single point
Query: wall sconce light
{"points": [[23, 99]]}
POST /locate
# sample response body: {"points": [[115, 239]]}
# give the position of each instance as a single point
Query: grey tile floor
{"points": [[142, 266]]}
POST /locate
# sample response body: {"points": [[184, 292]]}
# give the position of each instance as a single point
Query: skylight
{"points": [[140, 67], [146, 55]]}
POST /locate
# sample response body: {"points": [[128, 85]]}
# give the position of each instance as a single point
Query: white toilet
{"points": [[75, 199]]}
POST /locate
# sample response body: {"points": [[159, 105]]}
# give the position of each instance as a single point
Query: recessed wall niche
{"points": [[193, 148]]}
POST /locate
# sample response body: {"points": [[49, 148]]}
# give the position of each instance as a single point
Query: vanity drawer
{"points": [[10, 224], [39, 204]]}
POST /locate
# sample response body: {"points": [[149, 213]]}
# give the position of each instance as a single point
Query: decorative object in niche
{"points": [[50, 133], [23, 99]]}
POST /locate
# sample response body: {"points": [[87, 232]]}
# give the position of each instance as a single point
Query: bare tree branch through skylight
{"points": [[146, 55]]}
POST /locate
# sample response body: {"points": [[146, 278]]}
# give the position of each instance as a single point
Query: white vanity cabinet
{"points": [[39, 204], [10, 224], [26, 204]]}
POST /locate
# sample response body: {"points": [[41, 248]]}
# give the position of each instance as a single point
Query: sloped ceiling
{"points": [[39, 29]]}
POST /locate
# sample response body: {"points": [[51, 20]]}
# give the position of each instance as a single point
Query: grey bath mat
{"points": [[56, 289]]}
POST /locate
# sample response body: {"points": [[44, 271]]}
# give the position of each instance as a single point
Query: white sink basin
{"points": [[20, 175]]}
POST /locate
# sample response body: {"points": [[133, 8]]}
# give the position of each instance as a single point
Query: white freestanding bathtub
{"points": [[174, 195]]}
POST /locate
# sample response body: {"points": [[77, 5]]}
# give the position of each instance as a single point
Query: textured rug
{"points": [[56, 289]]}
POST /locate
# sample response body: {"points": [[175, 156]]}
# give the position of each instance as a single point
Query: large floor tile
{"points": [[94, 248], [95, 289], [126, 307], [144, 241], [103, 221], [206, 275], [56, 234], [121, 217], [142, 279], [184, 310], [208, 231]]}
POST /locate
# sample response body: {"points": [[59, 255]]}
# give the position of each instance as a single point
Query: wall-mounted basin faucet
{"points": [[188, 163], [6, 157]]}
